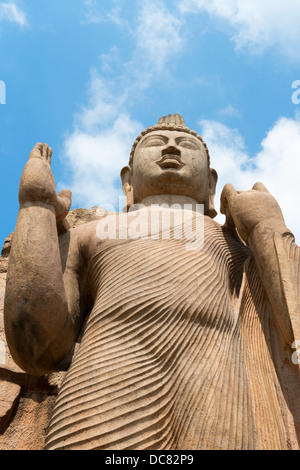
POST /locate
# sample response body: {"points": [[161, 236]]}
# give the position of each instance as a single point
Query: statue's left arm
{"points": [[260, 224]]}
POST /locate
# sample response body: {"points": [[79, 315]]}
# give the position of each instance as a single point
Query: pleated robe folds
{"points": [[181, 351]]}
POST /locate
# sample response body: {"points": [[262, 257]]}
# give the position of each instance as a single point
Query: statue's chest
{"points": [[158, 276]]}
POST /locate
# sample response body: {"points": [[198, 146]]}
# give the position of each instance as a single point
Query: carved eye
{"points": [[188, 144], [155, 142]]}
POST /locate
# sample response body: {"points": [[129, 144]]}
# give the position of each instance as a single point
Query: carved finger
{"points": [[36, 152], [66, 194], [38, 146], [260, 187], [63, 204], [45, 151], [49, 155]]}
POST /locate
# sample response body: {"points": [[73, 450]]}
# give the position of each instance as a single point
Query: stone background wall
{"points": [[26, 401]]}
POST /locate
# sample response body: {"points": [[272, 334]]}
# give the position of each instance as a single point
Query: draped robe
{"points": [[181, 351]]}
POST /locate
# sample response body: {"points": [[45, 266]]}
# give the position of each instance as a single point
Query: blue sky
{"points": [[87, 76]]}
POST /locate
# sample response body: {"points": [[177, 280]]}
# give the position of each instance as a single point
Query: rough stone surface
{"points": [[7, 246], [27, 430], [83, 216], [9, 397]]}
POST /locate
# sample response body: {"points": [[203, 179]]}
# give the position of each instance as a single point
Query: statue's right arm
{"points": [[260, 224], [42, 311]]}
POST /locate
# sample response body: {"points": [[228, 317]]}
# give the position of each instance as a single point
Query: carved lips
{"points": [[171, 161]]}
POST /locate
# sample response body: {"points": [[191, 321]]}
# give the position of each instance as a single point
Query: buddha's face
{"points": [[170, 162]]}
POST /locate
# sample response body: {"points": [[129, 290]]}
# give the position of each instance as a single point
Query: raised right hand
{"points": [[37, 183]]}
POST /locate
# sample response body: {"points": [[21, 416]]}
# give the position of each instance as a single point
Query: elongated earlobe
{"points": [[127, 187], [209, 206]]}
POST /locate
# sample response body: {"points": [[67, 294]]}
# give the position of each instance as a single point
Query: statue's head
{"points": [[170, 159]]}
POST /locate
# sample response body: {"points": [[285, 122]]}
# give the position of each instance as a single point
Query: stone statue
{"points": [[179, 349]]}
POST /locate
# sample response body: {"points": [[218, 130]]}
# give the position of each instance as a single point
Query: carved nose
{"points": [[171, 150]]}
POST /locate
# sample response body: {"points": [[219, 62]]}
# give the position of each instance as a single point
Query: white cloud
{"points": [[158, 34], [104, 102], [92, 12], [95, 12], [11, 13], [104, 131], [99, 146], [96, 161], [230, 111], [255, 24], [277, 164]]}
